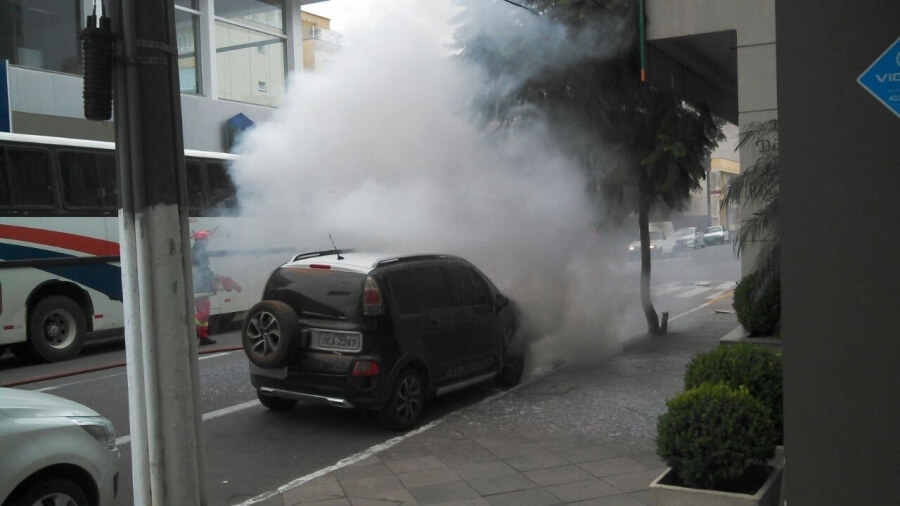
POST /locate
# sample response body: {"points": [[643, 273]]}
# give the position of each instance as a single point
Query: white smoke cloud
{"points": [[381, 154]]}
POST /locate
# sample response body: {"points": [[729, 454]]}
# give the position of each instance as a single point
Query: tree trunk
{"points": [[653, 327]]}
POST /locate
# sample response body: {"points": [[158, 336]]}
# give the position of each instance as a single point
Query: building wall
{"points": [[50, 103], [839, 299]]}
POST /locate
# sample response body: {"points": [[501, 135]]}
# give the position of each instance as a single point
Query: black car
{"points": [[379, 332]]}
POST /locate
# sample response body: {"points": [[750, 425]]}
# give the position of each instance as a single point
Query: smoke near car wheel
{"points": [[270, 334]]}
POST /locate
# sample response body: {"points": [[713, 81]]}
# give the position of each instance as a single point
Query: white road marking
{"points": [[701, 306], [80, 382], [693, 291], [206, 416]]}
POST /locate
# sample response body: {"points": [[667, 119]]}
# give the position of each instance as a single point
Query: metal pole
{"points": [[167, 457]]}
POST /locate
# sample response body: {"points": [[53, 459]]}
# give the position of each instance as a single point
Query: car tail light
{"points": [[320, 266], [372, 305], [365, 368]]}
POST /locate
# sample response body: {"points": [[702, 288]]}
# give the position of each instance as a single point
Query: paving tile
{"points": [[386, 498], [557, 475], [444, 492], [649, 460], [500, 484], [343, 501], [483, 469], [532, 462], [326, 487], [428, 477], [611, 467], [587, 454], [413, 464], [474, 455], [519, 450], [369, 486], [611, 500], [632, 482], [532, 497], [581, 490], [478, 501], [351, 472]]}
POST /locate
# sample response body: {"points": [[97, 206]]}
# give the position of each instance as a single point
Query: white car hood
{"points": [[16, 403]]}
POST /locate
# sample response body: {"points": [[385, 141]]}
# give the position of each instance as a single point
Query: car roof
{"points": [[354, 261]]}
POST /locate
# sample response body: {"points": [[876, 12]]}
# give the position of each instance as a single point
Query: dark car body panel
{"points": [[441, 316]]}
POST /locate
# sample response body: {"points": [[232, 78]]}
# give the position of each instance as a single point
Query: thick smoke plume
{"points": [[381, 152]]}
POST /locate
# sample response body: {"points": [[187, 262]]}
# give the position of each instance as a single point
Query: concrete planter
{"points": [[739, 335], [671, 495]]}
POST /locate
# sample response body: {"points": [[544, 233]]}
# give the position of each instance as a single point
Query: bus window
{"points": [[5, 201], [221, 188], [31, 178], [196, 199], [80, 181], [109, 181]]}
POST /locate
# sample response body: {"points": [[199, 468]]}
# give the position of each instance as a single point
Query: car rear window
{"points": [[318, 293]]}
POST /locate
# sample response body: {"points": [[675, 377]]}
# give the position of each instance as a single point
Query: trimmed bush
{"points": [[758, 312], [714, 437], [743, 365]]}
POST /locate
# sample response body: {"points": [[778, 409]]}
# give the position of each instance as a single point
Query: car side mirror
{"points": [[500, 302]]}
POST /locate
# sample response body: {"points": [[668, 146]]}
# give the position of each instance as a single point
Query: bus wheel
{"points": [[56, 329]]}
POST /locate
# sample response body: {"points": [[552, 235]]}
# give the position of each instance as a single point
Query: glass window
{"points": [[31, 179], [41, 34], [5, 200], [221, 187], [89, 180], [469, 287], [186, 37], [245, 58], [80, 183], [434, 291], [190, 4], [264, 14], [196, 199], [405, 292]]}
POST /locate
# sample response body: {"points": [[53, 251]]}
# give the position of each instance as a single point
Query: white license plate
{"points": [[343, 341]]}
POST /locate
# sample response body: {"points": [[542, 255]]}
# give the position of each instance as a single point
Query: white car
{"points": [[660, 245], [55, 451], [716, 234]]}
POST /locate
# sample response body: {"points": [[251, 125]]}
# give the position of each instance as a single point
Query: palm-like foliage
{"points": [[758, 188]]}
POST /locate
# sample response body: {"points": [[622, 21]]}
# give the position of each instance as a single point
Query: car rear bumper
{"points": [[339, 390]]}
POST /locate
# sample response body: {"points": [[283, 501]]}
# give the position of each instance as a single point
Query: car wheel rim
{"points": [[409, 401], [264, 334], [59, 329], [55, 499]]}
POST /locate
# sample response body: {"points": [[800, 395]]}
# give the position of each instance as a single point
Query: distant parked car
{"points": [[379, 332], [660, 245], [716, 235], [55, 451], [689, 238]]}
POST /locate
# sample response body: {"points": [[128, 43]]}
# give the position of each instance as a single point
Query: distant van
{"points": [[662, 240]]}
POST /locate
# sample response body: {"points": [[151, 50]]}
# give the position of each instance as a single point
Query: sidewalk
{"points": [[575, 436]]}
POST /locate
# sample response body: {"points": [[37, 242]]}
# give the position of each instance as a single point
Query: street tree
{"points": [[574, 64]]}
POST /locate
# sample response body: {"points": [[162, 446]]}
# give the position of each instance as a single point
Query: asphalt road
{"points": [[250, 450]]}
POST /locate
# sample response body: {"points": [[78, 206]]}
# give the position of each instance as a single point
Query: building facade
{"points": [[233, 57]]}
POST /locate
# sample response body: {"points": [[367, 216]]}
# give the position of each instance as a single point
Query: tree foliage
{"points": [[573, 64]]}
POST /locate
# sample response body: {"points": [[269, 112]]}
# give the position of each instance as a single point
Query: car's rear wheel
{"points": [[56, 491], [513, 368], [270, 334], [275, 403], [405, 403]]}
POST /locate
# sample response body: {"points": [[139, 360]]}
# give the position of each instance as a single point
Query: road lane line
{"points": [[701, 306], [206, 417], [693, 291]]}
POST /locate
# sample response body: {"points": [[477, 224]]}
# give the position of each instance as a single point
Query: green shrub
{"points": [[712, 436], [758, 312], [743, 365]]}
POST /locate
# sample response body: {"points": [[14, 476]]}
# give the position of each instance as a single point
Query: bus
{"points": [[60, 276]]}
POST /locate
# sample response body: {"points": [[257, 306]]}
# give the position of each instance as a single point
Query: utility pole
{"points": [[161, 350]]}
